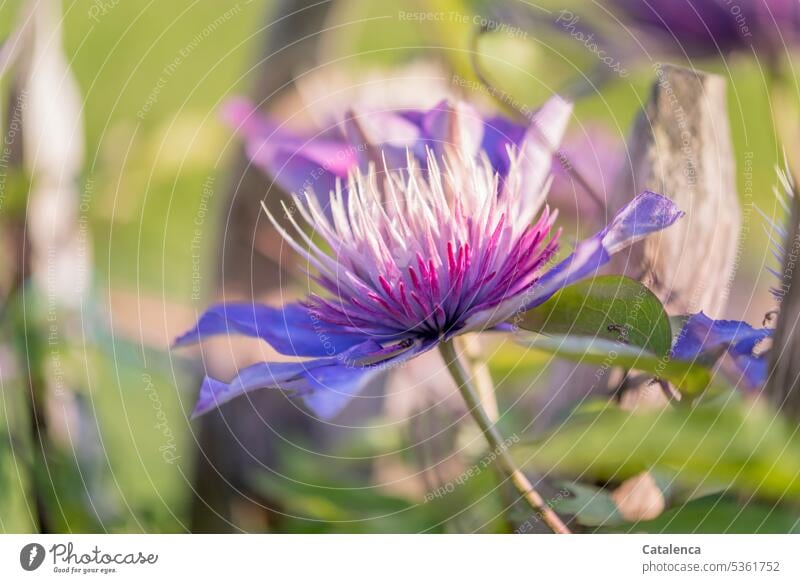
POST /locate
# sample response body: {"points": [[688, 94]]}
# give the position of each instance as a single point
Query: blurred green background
{"points": [[152, 93]]}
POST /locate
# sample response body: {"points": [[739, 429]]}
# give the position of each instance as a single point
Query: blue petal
{"points": [[703, 337], [451, 124], [295, 162], [754, 369], [290, 329], [647, 213], [700, 334], [498, 134], [296, 173], [326, 385], [328, 389], [214, 393]]}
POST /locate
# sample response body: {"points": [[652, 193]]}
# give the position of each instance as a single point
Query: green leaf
{"points": [[607, 306], [591, 506], [737, 444], [717, 514], [691, 378]]}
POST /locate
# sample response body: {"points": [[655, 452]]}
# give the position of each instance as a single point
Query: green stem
{"points": [[464, 381]]}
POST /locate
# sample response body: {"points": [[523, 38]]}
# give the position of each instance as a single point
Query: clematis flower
{"points": [[703, 338], [299, 161], [407, 258], [708, 28]]}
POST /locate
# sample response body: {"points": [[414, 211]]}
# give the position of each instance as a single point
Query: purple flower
{"points": [[702, 338], [301, 161], [599, 158], [704, 28], [454, 240]]}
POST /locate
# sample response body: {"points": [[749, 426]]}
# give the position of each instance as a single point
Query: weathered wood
{"points": [[680, 146], [242, 438]]}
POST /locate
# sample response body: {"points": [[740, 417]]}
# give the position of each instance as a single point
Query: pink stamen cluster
{"points": [[417, 251]]}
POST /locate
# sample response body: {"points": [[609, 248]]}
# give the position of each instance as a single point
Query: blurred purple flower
{"points": [[707, 28], [445, 242], [299, 161], [598, 157], [704, 339]]}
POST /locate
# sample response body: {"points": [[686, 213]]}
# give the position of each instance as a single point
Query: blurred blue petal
{"points": [[290, 329], [326, 385], [647, 213], [702, 337]]}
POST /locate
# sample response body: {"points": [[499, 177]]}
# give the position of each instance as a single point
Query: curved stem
{"points": [[464, 381], [469, 347]]}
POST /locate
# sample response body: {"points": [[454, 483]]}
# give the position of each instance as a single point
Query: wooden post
{"points": [[679, 146]]}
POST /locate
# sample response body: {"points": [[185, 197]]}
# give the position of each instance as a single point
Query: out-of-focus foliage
{"points": [[152, 80], [322, 496], [717, 513], [727, 443]]}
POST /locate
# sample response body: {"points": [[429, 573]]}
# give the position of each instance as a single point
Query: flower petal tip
{"points": [[186, 339], [647, 213], [669, 210], [211, 395]]}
